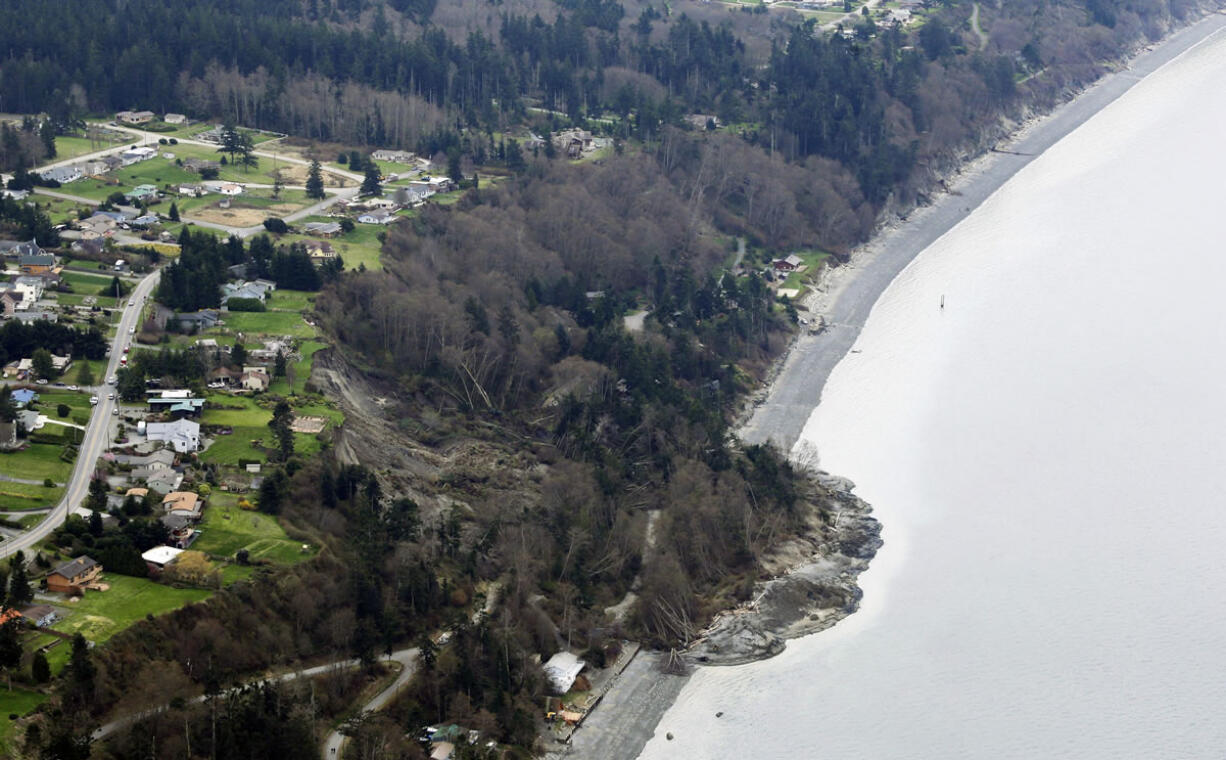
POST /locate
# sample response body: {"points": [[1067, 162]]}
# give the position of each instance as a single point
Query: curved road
{"points": [[334, 744], [97, 433], [406, 657]]}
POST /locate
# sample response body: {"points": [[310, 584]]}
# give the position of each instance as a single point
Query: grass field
{"points": [[290, 300], [267, 323], [60, 210], [226, 529], [36, 462], [250, 423], [85, 284], [100, 615], [71, 147], [302, 370], [18, 702], [20, 497], [360, 247]]}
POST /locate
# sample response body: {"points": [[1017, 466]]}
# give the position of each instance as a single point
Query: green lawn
{"points": [[290, 300], [101, 614], [19, 497], [268, 323], [302, 370], [360, 247], [250, 423], [85, 284], [225, 529], [813, 261], [71, 147], [18, 702], [262, 174], [60, 210], [36, 462]]}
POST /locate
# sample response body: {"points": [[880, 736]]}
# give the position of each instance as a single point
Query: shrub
{"points": [[276, 224], [245, 304], [63, 410]]}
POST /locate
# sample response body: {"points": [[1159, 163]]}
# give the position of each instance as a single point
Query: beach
{"points": [[849, 295]]}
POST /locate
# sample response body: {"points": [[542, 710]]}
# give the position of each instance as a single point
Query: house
{"points": [[242, 290], [17, 195], [136, 493], [141, 193], [561, 671], [61, 363], [790, 264], [223, 376], [146, 221], [183, 503], [9, 301], [573, 142], [36, 263], [74, 576], [61, 174], [23, 396], [157, 558], [196, 165], [94, 167], [90, 246], [162, 481], [377, 217], [134, 117], [112, 163], [30, 420], [30, 287], [181, 435], [319, 250], [267, 285], [174, 118], [395, 156], [162, 459], [15, 248], [230, 188], [323, 229], [199, 320], [137, 154], [193, 191], [181, 529], [41, 615], [255, 380], [177, 407]]}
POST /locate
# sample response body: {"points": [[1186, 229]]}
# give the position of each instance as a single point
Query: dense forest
{"points": [[531, 432]]}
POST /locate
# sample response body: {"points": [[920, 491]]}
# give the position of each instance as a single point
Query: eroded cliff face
{"points": [[815, 586]]}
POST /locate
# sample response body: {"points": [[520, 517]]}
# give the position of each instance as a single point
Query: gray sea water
{"points": [[1048, 456]]}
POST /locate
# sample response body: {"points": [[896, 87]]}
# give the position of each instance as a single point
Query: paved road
{"points": [[335, 743], [97, 433], [797, 390], [406, 657]]}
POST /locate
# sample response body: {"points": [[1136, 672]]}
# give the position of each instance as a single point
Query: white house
{"points": [[183, 435], [395, 156], [159, 557], [230, 188], [62, 174], [174, 118], [194, 191], [561, 671], [381, 216], [137, 154]]}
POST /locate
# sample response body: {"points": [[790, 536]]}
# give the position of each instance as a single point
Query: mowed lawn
{"points": [[36, 462], [250, 425], [358, 248], [226, 529], [20, 497], [101, 614], [268, 323], [71, 147], [19, 702]]}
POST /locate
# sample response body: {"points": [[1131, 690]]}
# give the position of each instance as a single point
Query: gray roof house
{"points": [[182, 435]]}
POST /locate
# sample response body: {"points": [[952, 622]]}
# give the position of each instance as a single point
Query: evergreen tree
{"points": [[19, 583], [95, 523], [41, 359], [315, 182], [278, 367], [40, 670], [85, 375], [231, 140], [174, 212], [46, 132], [370, 184], [10, 649], [96, 500]]}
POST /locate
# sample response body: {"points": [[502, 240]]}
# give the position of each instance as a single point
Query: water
{"points": [[1047, 455]]}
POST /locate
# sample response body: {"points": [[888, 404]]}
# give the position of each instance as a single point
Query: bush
{"points": [[63, 410], [174, 141], [347, 225], [276, 224], [245, 304]]}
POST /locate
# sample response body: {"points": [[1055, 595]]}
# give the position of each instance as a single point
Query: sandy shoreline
{"points": [[797, 603]]}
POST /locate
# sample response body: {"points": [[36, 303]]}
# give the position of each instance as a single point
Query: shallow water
{"points": [[1046, 454]]}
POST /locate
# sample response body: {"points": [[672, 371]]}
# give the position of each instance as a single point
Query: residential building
{"points": [[134, 117], [199, 320], [184, 503], [141, 193], [319, 250], [162, 481], [40, 615], [267, 285], [16, 248], [242, 290], [157, 558], [137, 154], [181, 435], [36, 263], [146, 221], [91, 246], [323, 229], [230, 188], [61, 174], [177, 407], [790, 264], [255, 380], [174, 118], [395, 156], [193, 191], [74, 576], [9, 301], [30, 287], [17, 195], [23, 396], [181, 529], [196, 164], [377, 217]]}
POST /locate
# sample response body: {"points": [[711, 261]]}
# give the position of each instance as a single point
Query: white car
{"points": [[110, 380], [110, 397], [131, 331], [73, 388], [93, 400], [115, 411]]}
